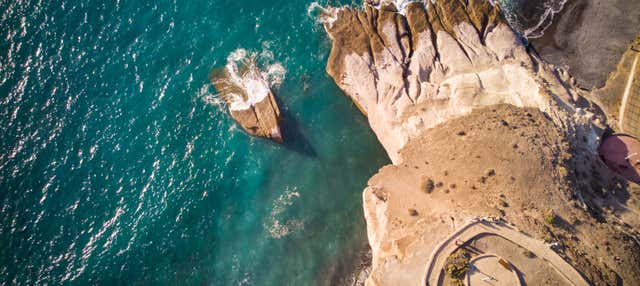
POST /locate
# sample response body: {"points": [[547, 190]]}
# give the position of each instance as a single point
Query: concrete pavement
{"points": [[475, 228]]}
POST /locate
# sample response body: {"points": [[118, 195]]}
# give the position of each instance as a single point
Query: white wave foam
{"points": [[324, 15], [251, 82], [284, 200], [328, 15], [552, 8], [210, 98], [544, 20], [274, 226], [401, 5], [275, 74]]}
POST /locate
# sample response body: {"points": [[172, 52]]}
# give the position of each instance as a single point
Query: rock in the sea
{"points": [[261, 119], [249, 97]]}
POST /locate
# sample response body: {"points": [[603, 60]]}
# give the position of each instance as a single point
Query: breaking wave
{"points": [[247, 78], [531, 18], [401, 5], [324, 15]]}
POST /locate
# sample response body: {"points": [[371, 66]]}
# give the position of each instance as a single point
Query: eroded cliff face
{"points": [[461, 106], [439, 61]]}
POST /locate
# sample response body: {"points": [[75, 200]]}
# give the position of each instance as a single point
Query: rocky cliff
{"points": [[438, 61], [474, 122]]}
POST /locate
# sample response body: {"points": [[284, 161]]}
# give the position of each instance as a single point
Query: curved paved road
{"points": [[478, 227]]}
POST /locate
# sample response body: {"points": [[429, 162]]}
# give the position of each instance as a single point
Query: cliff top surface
{"points": [[508, 163]]}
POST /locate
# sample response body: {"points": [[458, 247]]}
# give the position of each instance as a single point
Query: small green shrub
{"points": [[550, 217], [458, 264]]}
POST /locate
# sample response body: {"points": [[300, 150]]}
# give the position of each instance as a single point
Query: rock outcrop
{"points": [[249, 98], [455, 98], [261, 119], [439, 61]]}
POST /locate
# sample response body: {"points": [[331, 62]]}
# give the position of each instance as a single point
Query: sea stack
{"points": [[261, 119], [248, 94]]}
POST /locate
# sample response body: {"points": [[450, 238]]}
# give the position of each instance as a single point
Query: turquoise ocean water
{"points": [[114, 169]]}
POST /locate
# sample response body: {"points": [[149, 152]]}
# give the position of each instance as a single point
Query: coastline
{"points": [[353, 271], [433, 80]]}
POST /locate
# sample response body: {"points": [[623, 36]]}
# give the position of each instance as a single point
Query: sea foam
{"points": [[324, 15], [520, 15], [544, 13], [248, 78]]}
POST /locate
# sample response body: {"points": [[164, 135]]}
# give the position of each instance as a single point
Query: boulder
{"points": [[261, 119], [250, 99]]}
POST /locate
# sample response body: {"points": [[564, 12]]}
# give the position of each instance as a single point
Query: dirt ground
{"points": [[515, 164]]}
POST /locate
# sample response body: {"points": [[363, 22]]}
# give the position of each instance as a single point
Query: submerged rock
{"points": [[247, 92]]}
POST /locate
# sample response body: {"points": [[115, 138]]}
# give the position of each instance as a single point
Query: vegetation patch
{"points": [[550, 217], [457, 265], [429, 186], [563, 171]]}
